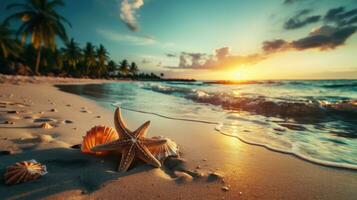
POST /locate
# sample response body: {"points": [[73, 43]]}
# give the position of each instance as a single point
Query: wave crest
{"points": [[261, 104]]}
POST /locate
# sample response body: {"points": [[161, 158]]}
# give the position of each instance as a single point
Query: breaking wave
{"points": [[263, 105]]}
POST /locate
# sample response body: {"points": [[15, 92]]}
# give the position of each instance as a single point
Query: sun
{"points": [[238, 75]]}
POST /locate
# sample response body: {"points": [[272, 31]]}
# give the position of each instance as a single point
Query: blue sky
{"points": [[239, 27]]}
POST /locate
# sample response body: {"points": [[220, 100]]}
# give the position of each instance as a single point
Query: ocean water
{"points": [[313, 120]]}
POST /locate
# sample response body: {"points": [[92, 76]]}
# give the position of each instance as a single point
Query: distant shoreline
{"points": [[223, 82]]}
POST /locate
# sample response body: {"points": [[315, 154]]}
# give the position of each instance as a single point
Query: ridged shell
{"points": [[24, 171], [98, 135], [161, 152], [46, 125]]}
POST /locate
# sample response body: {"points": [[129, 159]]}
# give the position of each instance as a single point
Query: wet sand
{"points": [[214, 166]]}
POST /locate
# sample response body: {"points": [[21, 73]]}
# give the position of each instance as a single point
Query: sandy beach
{"points": [[213, 166]]}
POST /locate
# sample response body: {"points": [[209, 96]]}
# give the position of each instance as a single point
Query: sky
{"points": [[221, 39]]}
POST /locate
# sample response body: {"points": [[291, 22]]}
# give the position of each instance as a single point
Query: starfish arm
{"points": [[127, 158], [145, 155], [120, 125], [115, 145], [153, 142], [142, 130]]}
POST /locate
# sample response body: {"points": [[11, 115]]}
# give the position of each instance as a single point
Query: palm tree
{"points": [[28, 55], [57, 59], [124, 67], [112, 67], [40, 20], [89, 56], [72, 53], [102, 55], [133, 69], [8, 45]]}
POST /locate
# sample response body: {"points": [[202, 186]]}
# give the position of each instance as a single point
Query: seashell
{"points": [[46, 125], [24, 171], [44, 138], [161, 152], [98, 135]]}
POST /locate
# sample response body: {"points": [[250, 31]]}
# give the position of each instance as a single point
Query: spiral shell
{"points": [[24, 171], [161, 152], [98, 135]]}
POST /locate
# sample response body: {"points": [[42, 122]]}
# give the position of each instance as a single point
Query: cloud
{"points": [[288, 2], [128, 10], [294, 23], [341, 17], [324, 38], [117, 37], [300, 20], [145, 61], [153, 61], [221, 59], [170, 55], [332, 14], [275, 45], [339, 25]]}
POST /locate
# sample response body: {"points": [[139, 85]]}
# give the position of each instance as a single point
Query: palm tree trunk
{"points": [[38, 61]]}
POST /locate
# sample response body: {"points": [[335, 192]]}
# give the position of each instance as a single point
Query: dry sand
{"points": [[215, 166]]}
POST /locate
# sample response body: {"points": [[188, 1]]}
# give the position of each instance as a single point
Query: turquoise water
{"points": [[314, 120]]}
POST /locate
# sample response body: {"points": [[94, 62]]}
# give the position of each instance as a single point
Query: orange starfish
{"points": [[131, 144]]}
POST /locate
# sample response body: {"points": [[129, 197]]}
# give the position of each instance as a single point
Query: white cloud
{"points": [[128, 10], [220, 59]]}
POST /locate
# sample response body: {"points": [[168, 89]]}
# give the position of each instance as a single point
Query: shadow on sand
{"points": [[68, 169]]}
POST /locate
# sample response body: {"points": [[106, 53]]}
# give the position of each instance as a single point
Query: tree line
{"points": [[32, 47]]}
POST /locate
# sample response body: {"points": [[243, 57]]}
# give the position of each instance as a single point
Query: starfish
{"points": [[131, 144]]}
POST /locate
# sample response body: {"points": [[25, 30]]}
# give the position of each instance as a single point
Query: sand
{"points": [[213, 166]]}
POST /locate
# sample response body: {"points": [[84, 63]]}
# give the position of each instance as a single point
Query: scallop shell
{"points": [[24, 171], [161, 152], [98, 135]]}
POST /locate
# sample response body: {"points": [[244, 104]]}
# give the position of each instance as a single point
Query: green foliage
{"points": [[133, 69], [89, 57], [124, 67], [102, 57], [41, 22], [8, 45], [71, 55], [112, 68], [40, 25]]}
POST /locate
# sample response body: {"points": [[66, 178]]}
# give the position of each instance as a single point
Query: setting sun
{"points": [[238, 75]]}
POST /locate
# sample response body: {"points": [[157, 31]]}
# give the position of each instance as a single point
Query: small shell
{"points": [[46, 125], [44, 138], [98, 135], [161, 152], [24, 171]]}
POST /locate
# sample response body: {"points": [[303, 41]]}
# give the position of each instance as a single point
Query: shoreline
{"points": [[292, 152], [249, 171], [267, 147]]}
